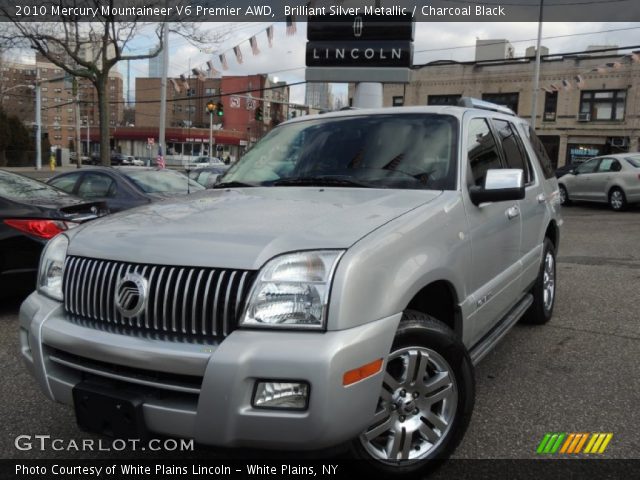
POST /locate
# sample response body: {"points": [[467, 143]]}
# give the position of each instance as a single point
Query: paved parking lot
{"points": [[579, 373]]}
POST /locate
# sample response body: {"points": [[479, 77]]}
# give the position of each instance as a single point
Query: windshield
{"points": [[634, 160], [17, 187], [413, 151], [163, 181]]}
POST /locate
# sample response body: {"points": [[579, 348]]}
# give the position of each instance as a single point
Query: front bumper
{"points": [[204, 391]]}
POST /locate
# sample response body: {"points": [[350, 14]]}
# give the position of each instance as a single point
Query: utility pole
{"points": [[38, 123], [88, 141], [536, 75], [163, 89], [78, 134]]}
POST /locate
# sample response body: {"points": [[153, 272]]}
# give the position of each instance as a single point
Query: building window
{"points": [[602, 104], [550, 106], [44, 89], [443, 99], [398, 101], [58, 90], [209, 91], [509, 100], [69, 110]]}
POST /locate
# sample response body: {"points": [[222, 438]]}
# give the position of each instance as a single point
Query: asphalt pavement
{"points": [[578, 373]]}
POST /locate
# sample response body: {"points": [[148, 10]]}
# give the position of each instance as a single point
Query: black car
{"points": [[31, 213], [124, 187], [207, 176]]}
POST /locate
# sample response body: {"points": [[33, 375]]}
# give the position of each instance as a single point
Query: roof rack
{"points": [[470, 102], [338, 110]]}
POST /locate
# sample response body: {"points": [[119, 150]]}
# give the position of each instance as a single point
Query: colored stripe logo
{"points": [[574, 443]]}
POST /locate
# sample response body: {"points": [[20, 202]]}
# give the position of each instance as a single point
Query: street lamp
{"points": [[211, 108]]}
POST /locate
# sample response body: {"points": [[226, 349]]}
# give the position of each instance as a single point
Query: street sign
{"points": [[373, 53], [251, 104], [359, 48], [151, 140], [234, 101]]}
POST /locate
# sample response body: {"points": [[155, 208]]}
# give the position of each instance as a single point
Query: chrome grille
{"points": [[191, 301]]}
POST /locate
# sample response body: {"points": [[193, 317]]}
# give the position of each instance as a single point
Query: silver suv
{"points": [[337, 287]]}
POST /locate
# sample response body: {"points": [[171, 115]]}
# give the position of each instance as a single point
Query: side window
{"points": [[589, 166], [96, 185], [66, 183], [609, 165], [482, 150], [512, 148], [541, 154]]}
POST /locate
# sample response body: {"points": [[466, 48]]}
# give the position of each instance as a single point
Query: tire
{"points": [[544, 290], [421, 421], [564, 196], [617, 199]]}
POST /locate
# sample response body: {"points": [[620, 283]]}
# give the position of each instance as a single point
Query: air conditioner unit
{"points": [[584, 117], [618, 141]]}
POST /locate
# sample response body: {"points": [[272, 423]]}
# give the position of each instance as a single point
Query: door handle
{"points": [[513, 212], [541, 198]]}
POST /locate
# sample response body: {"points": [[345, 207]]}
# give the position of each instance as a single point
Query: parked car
{"points": [[207, 176], [338, 285], [118, 159], [612, 179], [31, 213], [124, 187], [202, 162]]}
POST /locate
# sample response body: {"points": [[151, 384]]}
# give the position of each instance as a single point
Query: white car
{"points": [[612, 179]]}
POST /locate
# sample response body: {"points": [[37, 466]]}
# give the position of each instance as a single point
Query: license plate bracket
{"points": [[109, 411]]}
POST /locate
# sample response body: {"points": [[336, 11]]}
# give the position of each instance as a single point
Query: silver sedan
{"points": [[612, 179]]}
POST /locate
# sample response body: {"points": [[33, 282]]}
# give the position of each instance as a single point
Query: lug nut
{"points": [[416, 394], [394, 406], [403, 393], [402, 418], [416, 411]]}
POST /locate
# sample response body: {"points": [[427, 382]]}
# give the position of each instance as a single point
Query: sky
{"points": [[433, 41]]}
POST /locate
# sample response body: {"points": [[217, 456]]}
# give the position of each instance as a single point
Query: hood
{"points": [[243, 228]]}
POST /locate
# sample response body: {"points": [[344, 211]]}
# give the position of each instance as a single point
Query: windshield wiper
{"points": [[323, 180], [233, 184]]}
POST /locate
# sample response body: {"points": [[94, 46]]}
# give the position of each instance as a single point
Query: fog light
{"points": [[281, 395]]}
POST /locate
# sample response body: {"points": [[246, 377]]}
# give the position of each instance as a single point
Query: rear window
{"points": [[20, 188], [633, 160]]}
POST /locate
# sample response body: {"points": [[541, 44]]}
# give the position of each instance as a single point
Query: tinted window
{"points": [[17, 187], [482, 150], [541, 154], [589, 166], [512, 147], [384, 151], [96, 185], [66, 182]]}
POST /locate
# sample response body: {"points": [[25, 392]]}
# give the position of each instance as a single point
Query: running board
{"points": [[485, 345]]}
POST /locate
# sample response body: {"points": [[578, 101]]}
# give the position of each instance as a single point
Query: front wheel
{"points": [[425, 403], [544, 290]]}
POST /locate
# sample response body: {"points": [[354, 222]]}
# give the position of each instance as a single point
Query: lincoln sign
{"points": [[369, 47]]}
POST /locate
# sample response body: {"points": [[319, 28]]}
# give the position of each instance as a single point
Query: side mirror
{"points": [[500, 185]]}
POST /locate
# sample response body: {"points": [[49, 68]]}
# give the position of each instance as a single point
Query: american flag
{"points": [[211, 69], [270, 35], [291, 25], [579, 81], [238, 53], [254, 45], [160, 160], [223, 61]]}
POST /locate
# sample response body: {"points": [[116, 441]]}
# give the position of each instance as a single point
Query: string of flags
{"points": [[209, 70], [578, 81]]}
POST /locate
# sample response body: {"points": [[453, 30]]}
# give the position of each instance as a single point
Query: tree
{"points": [[91, 50]]}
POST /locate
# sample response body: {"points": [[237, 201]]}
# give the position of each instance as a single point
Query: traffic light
{"points": [[220, 109], [259, 114]]}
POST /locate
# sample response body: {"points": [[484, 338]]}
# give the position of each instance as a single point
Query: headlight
{"points": [[292, 291], [52, 266]]}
